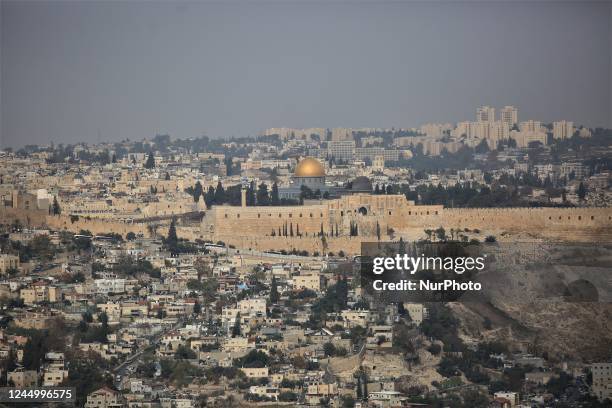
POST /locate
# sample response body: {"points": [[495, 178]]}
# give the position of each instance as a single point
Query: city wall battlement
{"points": [[260, 227], [346, 222]]}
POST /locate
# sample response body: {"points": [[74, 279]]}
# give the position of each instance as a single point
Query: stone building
{"points": [[357, 216], [8, 262], [602, 380], [104, 398]]}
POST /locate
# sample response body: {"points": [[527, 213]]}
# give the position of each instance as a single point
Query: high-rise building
{"points": [[525, 137], [435, 130], [338, 134], [498, 131], [563, 129], [341, 149], [485, 114], [509, 115], [531, 126]]}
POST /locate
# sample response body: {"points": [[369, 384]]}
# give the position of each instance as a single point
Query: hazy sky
{"points": [[79, 71]]}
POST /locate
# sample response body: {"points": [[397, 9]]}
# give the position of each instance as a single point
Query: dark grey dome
{"points": [[362, 183]]}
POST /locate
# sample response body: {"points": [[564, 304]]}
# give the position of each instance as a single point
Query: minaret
{"points": [[243, 201]]}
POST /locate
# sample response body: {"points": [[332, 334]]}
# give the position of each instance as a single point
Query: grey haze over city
{"points": [[107, 71]]}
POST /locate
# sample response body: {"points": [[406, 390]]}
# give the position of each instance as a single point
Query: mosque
{"points": [[353, 214], [310, 173]]}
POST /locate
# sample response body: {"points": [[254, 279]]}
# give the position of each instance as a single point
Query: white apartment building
{"points": [[563, 129], [523, 138], [576, 169], [498, 131], [252, 307], [435, 130], [341, 149], [485, 114], [341, 134], [531, 126], [509, 115], [106, 286]]}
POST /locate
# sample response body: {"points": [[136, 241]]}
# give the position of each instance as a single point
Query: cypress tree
{"points": [[274, 296], [275, 197], [150, 163]]}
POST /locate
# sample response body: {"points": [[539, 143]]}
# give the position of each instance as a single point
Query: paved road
{"points": [[131, 361]]}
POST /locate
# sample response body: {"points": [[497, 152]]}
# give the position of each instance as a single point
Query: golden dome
{"points": [[310, 167]]}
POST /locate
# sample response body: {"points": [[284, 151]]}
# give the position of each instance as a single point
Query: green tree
{"points": [[250, 198], [475, 399], [441, 234], [582, 191], [274, 296], [103, 318], [56, 207], [329, 349], [34, 352], [254, 359], [262, 195], [482, 147], [236, 328], [220, 196], [150, 163], [172, 239], [197, 191], [275, 198], [402, 246], [184, 353]]}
